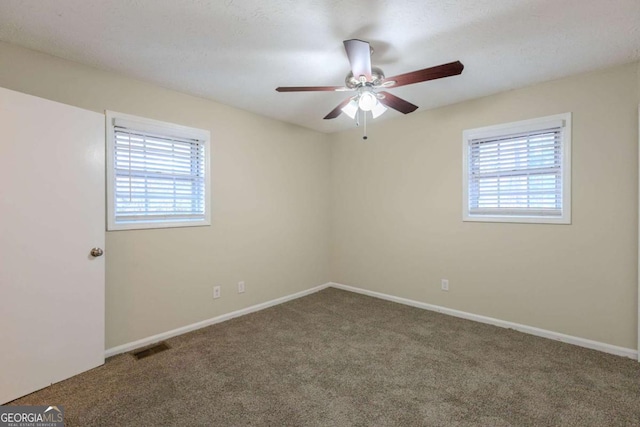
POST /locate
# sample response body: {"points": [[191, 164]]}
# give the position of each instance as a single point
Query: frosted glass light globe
{"points": [[367, 101], [350, 109]]}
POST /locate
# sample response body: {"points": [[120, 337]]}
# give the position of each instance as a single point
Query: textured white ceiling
{"points": [[238, 52]]}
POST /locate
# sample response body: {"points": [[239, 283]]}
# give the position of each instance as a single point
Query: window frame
{"points": [[163, 128], [505, 129]]}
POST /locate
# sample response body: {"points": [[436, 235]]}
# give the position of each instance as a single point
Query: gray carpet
{"points": [[337, 358]]}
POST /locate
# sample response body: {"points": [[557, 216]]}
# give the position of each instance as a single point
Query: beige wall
{"points": [[397, 209], [387, 212], [270, 222]]}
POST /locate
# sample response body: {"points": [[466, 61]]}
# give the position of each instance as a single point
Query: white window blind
{"points": [[517, 173], [158, 176]]}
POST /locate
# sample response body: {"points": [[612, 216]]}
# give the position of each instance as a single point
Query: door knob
{"points": [[96, 252]]}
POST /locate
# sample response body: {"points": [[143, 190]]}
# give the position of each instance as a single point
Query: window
{"points": [[157, 174], [518, 172]]}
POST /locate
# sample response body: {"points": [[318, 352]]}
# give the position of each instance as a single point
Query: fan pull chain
{"points": [[364, 113]]}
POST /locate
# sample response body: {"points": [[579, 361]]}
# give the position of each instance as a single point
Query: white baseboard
{"points": [[582, 342], [183, 330]]}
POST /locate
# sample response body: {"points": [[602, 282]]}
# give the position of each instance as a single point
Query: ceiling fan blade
{"points": [[336, 111], [359, 54], [432, 73], [310, 88], [392, 101]]}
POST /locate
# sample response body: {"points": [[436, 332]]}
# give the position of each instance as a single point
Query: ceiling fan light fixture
{"points": [[378, 110], [350, 109], [367, 101]]}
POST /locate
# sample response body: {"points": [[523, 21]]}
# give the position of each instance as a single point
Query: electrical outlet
{"points": [[444, 284], [216, 291], [240, 287]]}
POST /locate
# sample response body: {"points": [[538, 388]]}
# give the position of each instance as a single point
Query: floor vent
{"points": [[150, 351]]}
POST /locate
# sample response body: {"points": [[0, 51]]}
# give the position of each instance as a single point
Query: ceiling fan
{"points": [[369, 81]]}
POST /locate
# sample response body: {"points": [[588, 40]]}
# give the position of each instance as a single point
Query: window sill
{"points": [[156, 225], [517, 219]]}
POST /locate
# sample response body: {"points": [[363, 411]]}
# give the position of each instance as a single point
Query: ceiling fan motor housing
{"points": [[377, 77]]}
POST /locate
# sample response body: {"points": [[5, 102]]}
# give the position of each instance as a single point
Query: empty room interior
{"points": [[319, 212]]}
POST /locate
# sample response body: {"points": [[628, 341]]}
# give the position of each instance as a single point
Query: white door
{"points": [[51, 216]]}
